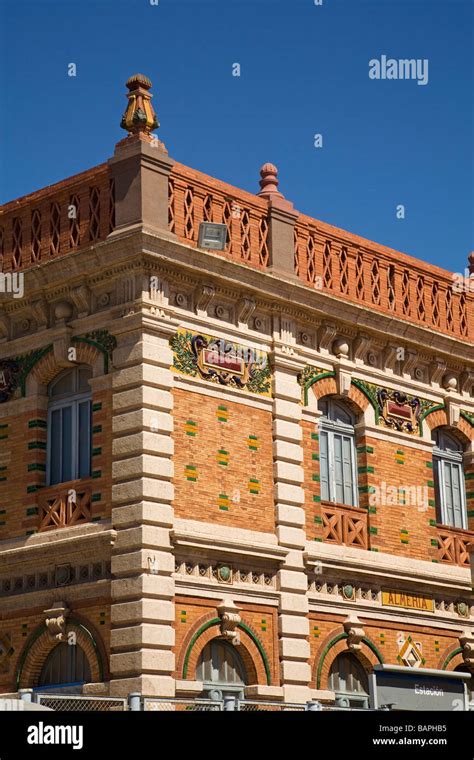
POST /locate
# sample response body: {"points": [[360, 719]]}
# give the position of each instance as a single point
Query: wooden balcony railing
{"points": [[344, 525], [64, 505], [57, 220], [453, 545]]}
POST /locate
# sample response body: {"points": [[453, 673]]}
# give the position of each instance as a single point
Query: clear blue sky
{"points": [[304, 70]]}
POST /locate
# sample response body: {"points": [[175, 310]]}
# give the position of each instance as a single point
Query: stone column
{"points": [[142, 614], [290, 520]]}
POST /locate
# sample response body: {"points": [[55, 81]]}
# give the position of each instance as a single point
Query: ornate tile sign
{"points": [[9, 374], [221, 361], [398, 410]]}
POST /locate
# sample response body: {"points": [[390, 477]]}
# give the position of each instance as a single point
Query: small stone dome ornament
{"points": [[470, 259], [140, 118], [269, 182]]}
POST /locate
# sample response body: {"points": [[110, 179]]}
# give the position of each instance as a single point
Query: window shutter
{"points": [[324, 465], [67, 444], [456, 494], [338, 468], [84, 453], [348, 473], [55, 447]]}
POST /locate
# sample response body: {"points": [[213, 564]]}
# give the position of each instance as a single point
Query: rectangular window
{"points": [[449, 485], [69, 441], [337, 467]]}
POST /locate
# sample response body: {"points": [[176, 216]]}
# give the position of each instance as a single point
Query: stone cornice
{"points": [[113, 257], [225, 547], [67, 542], [389, 569]]}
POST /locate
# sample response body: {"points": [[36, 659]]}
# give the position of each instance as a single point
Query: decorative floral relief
{"points": [[221, 361]]}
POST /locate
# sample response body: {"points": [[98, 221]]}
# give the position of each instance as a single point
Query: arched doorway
{"points": [[348, 679], [66, 667], [221, 669]]}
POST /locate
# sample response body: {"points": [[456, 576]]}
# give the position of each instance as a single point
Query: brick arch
{"points": [[355, 399], [335, 644], [47, 368], [466, 429], [436, 418], [462, 431], [450, 658], [206, 629], [40, 644], [326, 386]]}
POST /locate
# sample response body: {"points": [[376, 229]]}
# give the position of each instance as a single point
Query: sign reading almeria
{"points": [[407, 601]]}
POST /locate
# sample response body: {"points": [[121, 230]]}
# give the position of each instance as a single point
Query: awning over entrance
{"points": [[401, 688]]}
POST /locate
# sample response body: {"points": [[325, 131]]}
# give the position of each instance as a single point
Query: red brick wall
{"points": [[222, 474]]}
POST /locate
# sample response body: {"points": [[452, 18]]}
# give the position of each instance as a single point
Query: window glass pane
{"points": [[55, 447], [63, 385], [448, 494], [456, 494], [348, 475], [437, 464], [338, 468], [67, 464], [84, 439], [324, 465], [83, 380]]}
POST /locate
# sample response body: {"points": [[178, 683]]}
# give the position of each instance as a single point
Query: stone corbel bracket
{"points": [[5, 322], [411, 359], [466, 381], [55, 619], [81, 297], [466, 640], [355, 632], [360, 348], [230, 619], [326, 335], [438, 368], [40, 312], [390, 357], [245, 309], [204, 296]]}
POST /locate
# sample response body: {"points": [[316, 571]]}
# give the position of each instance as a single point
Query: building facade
{"points": [[240, 471]]}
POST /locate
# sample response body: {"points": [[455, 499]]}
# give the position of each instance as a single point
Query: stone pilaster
{"points": [[142, 615], [141, 173], [290, 520]]}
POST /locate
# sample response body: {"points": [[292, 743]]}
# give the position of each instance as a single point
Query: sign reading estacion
{"points": [[407, 601]]}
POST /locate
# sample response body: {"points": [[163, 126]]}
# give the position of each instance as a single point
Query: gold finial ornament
{"points": [[139, 117]]}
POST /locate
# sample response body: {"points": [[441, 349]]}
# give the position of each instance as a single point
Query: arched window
{"points": [[220, 667], [449, 479], [337, 457], [349, 680], [69, 426], [65, 664]]}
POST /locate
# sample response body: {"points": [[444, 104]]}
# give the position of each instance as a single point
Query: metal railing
{"points": [[175, 704], [82, 703]]}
